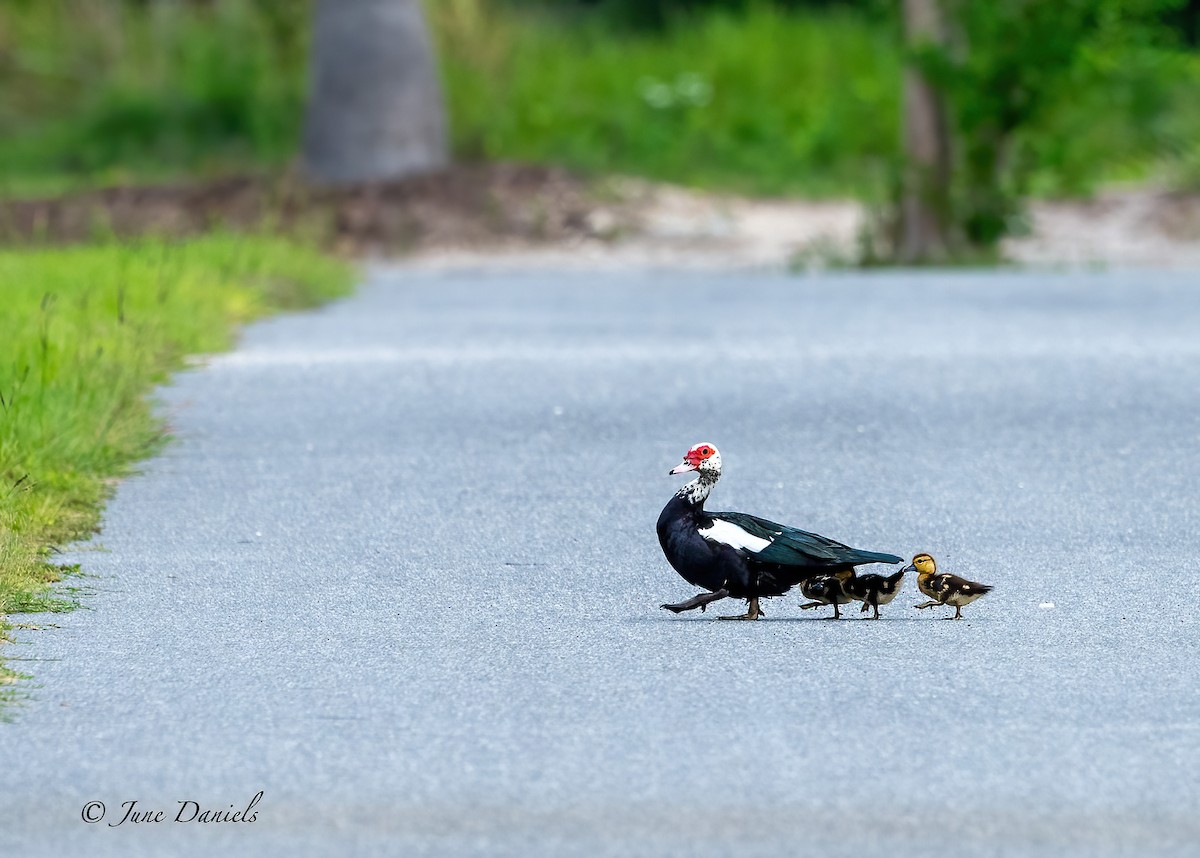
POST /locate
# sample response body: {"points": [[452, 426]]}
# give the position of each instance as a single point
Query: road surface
{"points": [[398, 572]]}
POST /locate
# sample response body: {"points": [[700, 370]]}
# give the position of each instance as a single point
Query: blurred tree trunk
{"points": [[375, 105], [925, 207]]}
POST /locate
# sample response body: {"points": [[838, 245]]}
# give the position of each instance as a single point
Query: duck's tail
{"points": [[857, 558]]}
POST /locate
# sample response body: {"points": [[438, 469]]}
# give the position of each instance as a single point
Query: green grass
{"points": [[766, 101], [108, 91], [772, 101], [85, 334]]}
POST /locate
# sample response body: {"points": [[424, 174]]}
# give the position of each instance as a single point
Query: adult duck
{"points": [[732, 554]]}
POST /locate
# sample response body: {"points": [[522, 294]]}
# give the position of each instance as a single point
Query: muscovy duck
{"points": [[944, 588], [875, 590], [740, 555]]}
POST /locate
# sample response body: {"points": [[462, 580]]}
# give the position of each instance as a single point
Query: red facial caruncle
{"points": [[694, 457]]}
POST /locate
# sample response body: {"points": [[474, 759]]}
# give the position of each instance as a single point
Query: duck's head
{"points": [[922, 564], [702, 457]]}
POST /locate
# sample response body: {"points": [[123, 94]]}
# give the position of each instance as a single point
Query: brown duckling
{"points": [[874, 590], [826, 590], [944, 588]]}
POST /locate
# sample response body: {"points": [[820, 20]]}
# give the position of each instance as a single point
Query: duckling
{"points": [[944, 588], [874, 590], [825, 590]]}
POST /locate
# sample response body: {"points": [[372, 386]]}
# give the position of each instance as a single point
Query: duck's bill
{"points": [[682, 468]]}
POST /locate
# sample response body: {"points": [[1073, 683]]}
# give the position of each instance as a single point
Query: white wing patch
{"points": [[728, 533]]}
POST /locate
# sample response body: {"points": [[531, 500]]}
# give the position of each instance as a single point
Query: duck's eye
{"points": [[704, 451]]}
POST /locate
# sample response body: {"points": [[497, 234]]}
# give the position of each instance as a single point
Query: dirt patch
{"points": [[499, 215], [468, 205], [1142, 228]]}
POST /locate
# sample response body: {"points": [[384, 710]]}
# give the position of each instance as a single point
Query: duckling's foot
{"points": [[876, 617], [702, 601], [808, 605], [753, 612], [929, 604], [866, 607]]}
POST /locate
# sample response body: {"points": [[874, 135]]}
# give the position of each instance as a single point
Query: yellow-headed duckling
{"points": [[943, 588]]}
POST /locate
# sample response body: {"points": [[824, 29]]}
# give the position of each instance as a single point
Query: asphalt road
{"points": [[399, 572]]}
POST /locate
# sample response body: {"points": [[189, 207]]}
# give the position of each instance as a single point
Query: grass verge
{"points": [[85, 334]]}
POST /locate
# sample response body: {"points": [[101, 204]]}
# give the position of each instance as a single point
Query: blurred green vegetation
{"points": [[764, 101], [85, 333], [1011, 73], [766, 97], [110, 91], [797, 97]]}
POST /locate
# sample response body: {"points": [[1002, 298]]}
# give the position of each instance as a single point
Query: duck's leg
{"points": [[837, 612], [957, 613], [930, 604], [753, 612], [866, 607], [808, 605], [701, 601], [876, 606]]}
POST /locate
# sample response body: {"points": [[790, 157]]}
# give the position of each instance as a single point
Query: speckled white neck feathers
{"points": [[697, 491]]}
